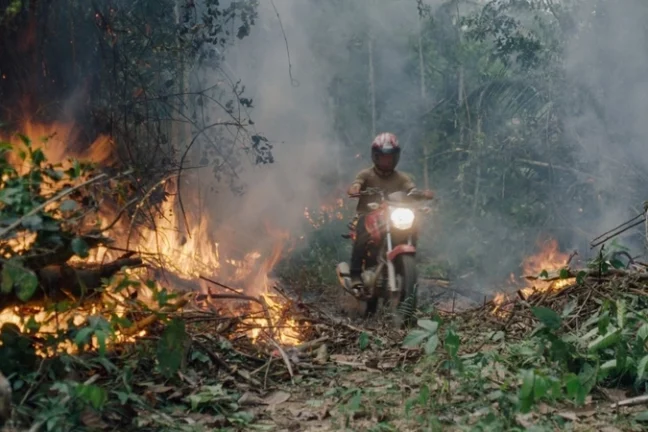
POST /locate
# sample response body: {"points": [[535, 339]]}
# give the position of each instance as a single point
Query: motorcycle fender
{"points": [[399, 250]]}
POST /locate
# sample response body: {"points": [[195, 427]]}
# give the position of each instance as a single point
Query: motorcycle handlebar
{"points": [[416, 194]]}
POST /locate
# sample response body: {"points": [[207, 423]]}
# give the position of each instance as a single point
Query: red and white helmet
{"points": [[385, 151]]}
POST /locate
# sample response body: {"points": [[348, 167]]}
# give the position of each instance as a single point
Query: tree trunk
{"points": [[426, 181], [372, 87]]}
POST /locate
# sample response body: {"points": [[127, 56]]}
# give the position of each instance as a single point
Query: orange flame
{"points": [[549, 258], [187, 250]]}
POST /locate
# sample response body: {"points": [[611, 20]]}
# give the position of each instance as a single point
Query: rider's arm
{"points": [[357, 184], [407, 185]]}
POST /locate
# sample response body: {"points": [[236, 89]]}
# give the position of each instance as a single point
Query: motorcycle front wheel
{"points": [[406, 307]]}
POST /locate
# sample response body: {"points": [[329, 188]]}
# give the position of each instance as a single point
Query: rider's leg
{"points": [[358, 252]]}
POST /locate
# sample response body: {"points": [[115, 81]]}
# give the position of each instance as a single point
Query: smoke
{"points": [[293, 106], [296, 106], [606, 58]]}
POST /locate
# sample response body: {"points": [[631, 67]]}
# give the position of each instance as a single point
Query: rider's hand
{"points": [[428, 194], [354, 189]]}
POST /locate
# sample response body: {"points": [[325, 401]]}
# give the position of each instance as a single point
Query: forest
{"points": [[174, 194]]}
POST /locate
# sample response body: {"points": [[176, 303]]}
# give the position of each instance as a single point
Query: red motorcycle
{"points": [[390, 258]]}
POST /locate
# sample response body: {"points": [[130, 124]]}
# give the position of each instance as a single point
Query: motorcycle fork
{"points": [[391, 271]]}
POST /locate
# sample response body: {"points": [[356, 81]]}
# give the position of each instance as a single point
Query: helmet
{"points": [[385, 152]]}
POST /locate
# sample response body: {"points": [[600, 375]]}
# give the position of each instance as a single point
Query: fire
{"points": [[326, 213], [549, 258], [180, 244], [54, 140]]}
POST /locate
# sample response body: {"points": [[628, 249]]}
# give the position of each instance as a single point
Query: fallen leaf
{"points": [[610, 429], [614, 395], [276, 398], [525, 420], [568, 415], [322, 355], [388, 365], [545, 409], [304, 415], [250, 399], [92, 420]]}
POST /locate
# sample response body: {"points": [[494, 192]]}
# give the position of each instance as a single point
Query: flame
{"points": [[549, 258], [182, 244], [54, 140], [326, 213]]}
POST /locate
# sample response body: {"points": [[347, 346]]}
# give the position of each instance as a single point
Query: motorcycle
{"points": [[390, 258]]}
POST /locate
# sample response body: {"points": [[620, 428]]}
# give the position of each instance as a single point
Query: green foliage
{"points": [[426, 335]]}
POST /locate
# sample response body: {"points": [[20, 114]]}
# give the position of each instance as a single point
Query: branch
{"points": [[55, 198]]}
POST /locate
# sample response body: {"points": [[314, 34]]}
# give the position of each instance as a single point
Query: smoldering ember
{"points": [[301, 215]]}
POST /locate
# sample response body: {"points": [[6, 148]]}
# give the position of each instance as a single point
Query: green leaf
{"points": [[452, 342], [24, 280], [544, 274], [580, 277], [38, 157], [528, 381], [642, 333], [171, 347], [83, 336], [540, 387], [617, 264], [414, 338], [431, 344], [569, 308], [621, 313], [94, 395], [80, 247], [608, 365], [547, 317], [642, 417], [605, 341], [68, 205], [587, 378], [101, 340], [363, 341], [33, 222], [355, 402], [641, 367], [564, 274], [429, 325], [572, 384]]}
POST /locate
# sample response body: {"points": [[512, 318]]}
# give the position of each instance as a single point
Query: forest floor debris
{"points": [[470, 369]]}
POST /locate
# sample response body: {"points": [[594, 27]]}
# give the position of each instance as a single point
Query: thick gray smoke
{"points": [[292, 105], [606, 56]]}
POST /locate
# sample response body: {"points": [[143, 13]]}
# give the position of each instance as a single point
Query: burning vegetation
{"points": [[110, 256], [536, 277]]}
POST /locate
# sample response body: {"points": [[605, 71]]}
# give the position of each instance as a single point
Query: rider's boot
{"points": [[357, 286]]}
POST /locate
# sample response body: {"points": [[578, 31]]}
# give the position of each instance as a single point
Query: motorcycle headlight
{"points": [[402, 218]]}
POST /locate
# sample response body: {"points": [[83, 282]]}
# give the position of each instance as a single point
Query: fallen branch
{"points": [[283, 354], [630, 402], [155, 316], [222, 364], [569, 274], [61, 282], [311, 344]]}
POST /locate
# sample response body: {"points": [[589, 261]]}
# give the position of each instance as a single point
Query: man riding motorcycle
{"points": [[385, 154]]}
